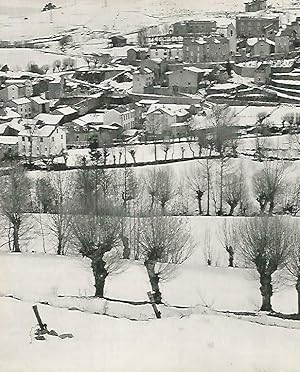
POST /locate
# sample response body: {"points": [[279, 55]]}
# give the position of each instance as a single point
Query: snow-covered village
{"points": [[149, 186]]}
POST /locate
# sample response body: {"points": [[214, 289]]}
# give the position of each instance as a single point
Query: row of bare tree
{"points": [[87, 213]]}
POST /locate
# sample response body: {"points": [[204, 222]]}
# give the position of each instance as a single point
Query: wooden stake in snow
{"points": [[156, 311], [38, 318]]}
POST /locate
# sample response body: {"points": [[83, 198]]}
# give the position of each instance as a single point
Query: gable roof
{"points": [[49, 118], [170, 109], [21, 101], [44, 131]]}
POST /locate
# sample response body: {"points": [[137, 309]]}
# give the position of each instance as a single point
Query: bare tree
{"points": [[208, 249], [151, 181], [61, 218], [226, 237], [197, 184], [269, 184], [222, 120], [95, 237], [264, 243], [207, 174], [166, 188], [293, 264], [129, 186], [15, 201], [234, 188], [44, 192], [166, 147], [165, 243]]}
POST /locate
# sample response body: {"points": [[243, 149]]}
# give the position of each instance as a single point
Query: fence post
{"points": [[38, 318], [153, 304]]}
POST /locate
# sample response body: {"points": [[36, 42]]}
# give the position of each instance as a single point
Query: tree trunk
{"points": [[262, 208], [271, 208], [60, 247], [208, 195], [154, 281], [126, 250], [232, 207], [199, 195], [16, 245], [298, 292], [230, 263], [199, 198], [100, 274], [266, 292]]}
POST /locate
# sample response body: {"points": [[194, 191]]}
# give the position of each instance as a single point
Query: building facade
{"points": [[209, 49], [44, 141], [250, 26], [121, 115], [190, 27]]}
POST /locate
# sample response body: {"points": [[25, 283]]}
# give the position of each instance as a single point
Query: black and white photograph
{"points": [[149, 186]]}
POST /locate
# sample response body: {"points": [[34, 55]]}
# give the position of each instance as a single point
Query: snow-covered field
{"points": [[18, 59], [197, 339]]}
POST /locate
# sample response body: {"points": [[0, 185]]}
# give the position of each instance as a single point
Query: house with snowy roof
{"points": [[160, 117], [254, 25], [260, 46], [39, 105], [22, 106], [142, 79], [187, 79], [67, 112], [206, 49], [41, 141], [49, 119], [122, 115], [168, 52]]}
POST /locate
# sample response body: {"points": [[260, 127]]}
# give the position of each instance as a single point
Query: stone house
{"points": [[255, 5], [260, 46], [186, 80], [118, 41], [142, 79], [160, 117], [136, 54], [248, 26], [122, 115], [229, 31], [190, 27], [206, 49], [262, 74], [157, 66], [22, 107], [171, 52], [39, 105], [41, 141]]}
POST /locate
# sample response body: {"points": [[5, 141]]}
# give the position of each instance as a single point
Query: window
{"points": [[41, 139], [23, 138]]}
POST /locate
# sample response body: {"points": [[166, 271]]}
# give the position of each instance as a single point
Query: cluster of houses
{"points": [[158, 89], [193, 52]]}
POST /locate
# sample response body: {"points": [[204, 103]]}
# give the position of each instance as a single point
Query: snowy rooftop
{"points": [[39, 100], [21, 101], [44, 131], [49, 118], [67, 110], [8, 140], [170, 109]]}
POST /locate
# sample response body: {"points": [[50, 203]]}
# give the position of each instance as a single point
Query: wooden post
{"points": [[156, 311], [38, 318]]}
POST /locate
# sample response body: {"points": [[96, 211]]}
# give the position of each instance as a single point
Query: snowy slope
{"points": [[197, 343]]}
